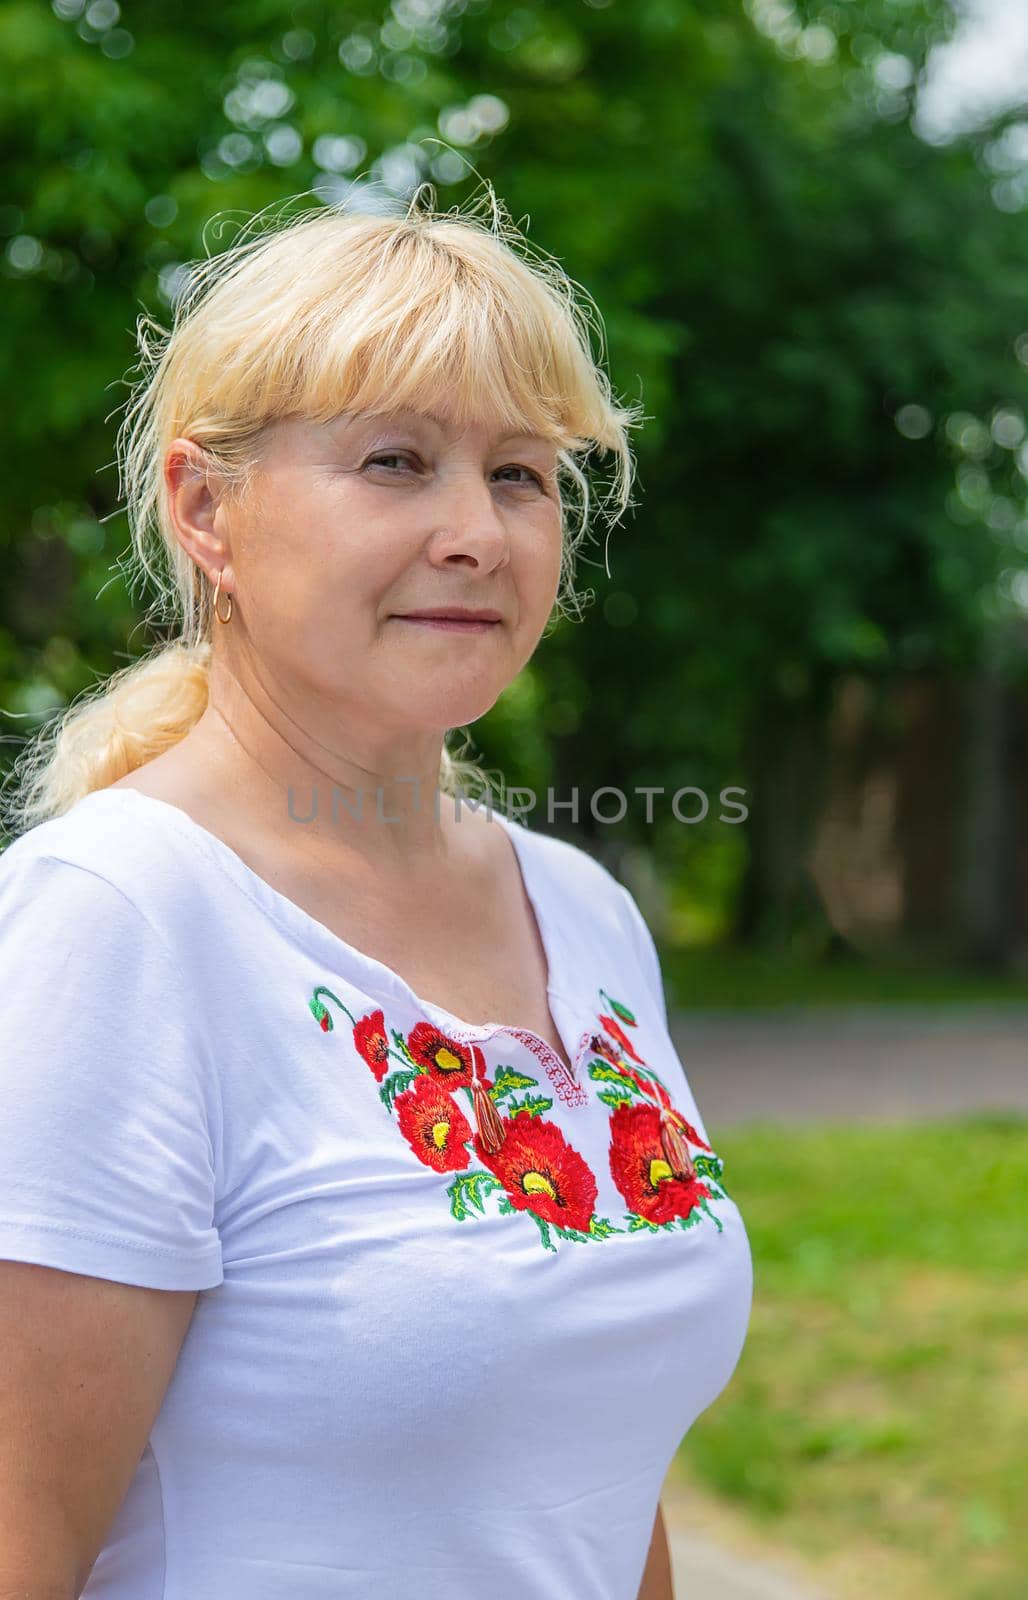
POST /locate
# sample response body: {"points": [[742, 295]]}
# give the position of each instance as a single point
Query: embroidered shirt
{"points": [[418, 1365]]}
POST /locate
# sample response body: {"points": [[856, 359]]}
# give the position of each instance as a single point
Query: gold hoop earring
{"points": [[217, 592]]}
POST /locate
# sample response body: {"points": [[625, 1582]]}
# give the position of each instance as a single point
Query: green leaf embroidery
{"points": [[622, 1011], [544, 1230], [569, 1233], [321, 1014], [614, 1097], [401, 1045], [636, 1222], [606, 1072], [599, 1228], [602, 1228], [507, 1078], [468, 1190], [395, 1084], [533, 1105]]}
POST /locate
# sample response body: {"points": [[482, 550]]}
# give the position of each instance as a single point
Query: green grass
{"points": [[723, 976], [878, 1418]]}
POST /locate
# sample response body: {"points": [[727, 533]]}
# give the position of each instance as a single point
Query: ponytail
{"points": [[134, 715]]}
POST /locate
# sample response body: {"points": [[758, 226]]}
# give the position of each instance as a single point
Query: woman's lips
{"points": [[453, 623]]}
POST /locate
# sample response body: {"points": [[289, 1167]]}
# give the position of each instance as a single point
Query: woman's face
{"points": [[355, 524]]}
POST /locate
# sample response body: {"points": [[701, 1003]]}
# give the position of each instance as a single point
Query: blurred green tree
{"points": [[821, 312]]}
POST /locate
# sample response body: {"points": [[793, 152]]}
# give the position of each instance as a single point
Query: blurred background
{"points": [[804, 224]]}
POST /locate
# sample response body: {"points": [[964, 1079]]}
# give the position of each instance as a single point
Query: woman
{"points": [[317, 1279]]}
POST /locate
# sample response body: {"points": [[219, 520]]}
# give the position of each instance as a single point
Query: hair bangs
{"points": [[435, 332]]}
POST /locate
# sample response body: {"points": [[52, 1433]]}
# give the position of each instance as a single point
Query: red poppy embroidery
{"points": [[650, 1163], [434, 1125], [542, 1173], [655, 1090], [534, 1169], [444, 1058], [641, 1170], [369, 1036]]}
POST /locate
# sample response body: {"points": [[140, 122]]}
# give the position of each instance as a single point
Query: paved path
{"points": [[712, 1555], [699, 1568], [882, 1063]]}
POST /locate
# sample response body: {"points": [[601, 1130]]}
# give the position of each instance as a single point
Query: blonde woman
{"points": [[360, 1234]]}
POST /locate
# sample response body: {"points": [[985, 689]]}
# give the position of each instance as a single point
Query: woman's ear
{"points": [[195, 497]]}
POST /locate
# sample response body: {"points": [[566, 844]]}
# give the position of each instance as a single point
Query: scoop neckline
{"points": [[312, 932]]}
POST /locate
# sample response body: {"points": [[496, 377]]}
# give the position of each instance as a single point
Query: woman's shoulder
{"points": [[101, 840], [571, 873]]}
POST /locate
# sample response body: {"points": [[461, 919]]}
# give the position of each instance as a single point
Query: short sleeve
{"points": [[647, 950], [108, 1113]]}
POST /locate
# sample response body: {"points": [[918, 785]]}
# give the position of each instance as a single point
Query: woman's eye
{"points": [[392, 455], [533, 477]]}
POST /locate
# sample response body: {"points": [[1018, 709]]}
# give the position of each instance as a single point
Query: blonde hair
{"points": [[313, 314]]}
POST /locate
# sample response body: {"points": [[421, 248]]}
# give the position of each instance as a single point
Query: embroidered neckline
{"points": [[569, 1086], [526, 1160]]}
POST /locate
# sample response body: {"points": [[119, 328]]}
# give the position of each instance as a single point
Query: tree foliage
{"points": [[821, 312]]}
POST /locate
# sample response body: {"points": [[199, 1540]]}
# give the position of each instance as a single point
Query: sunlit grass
{"points": [[878, 1419]]}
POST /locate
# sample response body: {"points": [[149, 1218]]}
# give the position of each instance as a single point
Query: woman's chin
{"points": [[452, 710]]}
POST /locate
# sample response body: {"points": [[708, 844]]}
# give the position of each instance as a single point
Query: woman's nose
{"points": [[472, 526]]}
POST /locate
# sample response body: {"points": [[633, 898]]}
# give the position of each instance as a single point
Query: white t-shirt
{"points": [[417, 1367]]}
